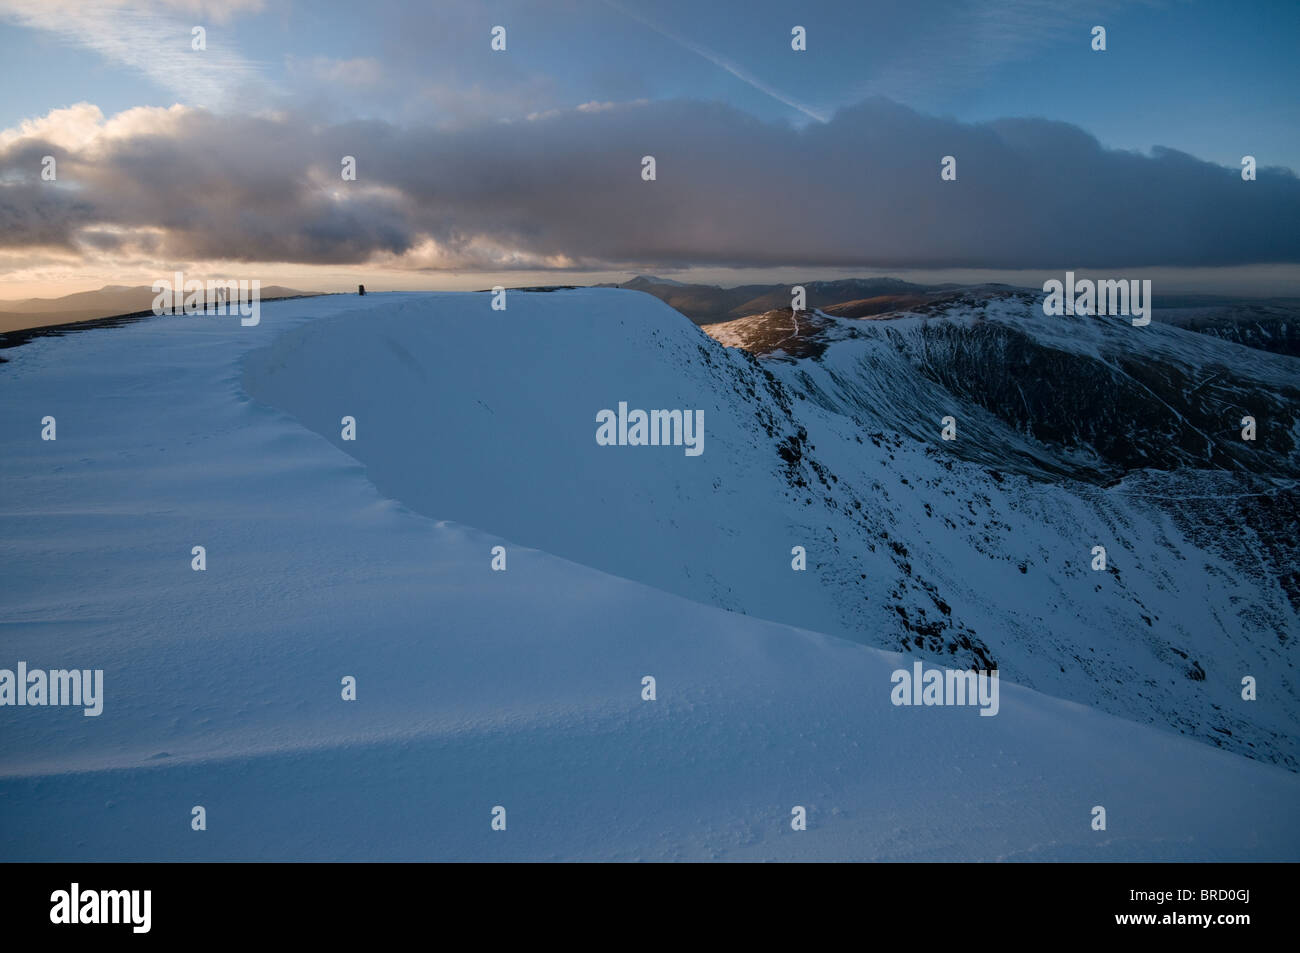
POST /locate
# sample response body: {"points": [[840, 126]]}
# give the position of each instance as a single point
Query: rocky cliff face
{"points": [[1070, 432]]}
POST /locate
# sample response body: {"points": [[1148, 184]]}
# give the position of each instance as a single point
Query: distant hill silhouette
{"points": [[109, 301], [710, 304]]}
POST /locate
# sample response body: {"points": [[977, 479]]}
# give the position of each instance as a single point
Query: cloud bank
{"points": [[565, 190]]}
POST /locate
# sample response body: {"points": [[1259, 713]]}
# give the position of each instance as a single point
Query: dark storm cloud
{"points": [[861, 190]]}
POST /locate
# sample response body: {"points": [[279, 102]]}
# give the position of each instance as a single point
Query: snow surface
{"points": [[488, 418], [479, 688]]}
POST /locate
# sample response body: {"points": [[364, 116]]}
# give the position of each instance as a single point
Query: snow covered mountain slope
{"points": [[520, 688], [489, 418]]}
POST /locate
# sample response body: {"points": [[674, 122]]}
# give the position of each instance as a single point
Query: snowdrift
{"points": [[488, 418], [520, 688]]}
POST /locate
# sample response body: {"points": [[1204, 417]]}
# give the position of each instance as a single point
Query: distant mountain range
{"points": [[711, 304], [761, 315], [109, 301]]}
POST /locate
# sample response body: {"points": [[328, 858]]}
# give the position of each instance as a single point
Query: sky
{"points": [[477, 167]]}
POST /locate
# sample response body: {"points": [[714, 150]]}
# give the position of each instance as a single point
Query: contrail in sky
{"points": [[717, 60]]}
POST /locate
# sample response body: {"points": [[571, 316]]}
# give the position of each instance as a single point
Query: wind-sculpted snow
{"points": [[523, 688], [488, 418]]}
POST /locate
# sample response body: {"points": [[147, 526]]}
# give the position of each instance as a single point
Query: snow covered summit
{"points": [[525, 688]]}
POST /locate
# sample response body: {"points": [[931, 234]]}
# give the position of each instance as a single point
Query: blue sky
{"points": [[1212, 79], [1215, 80]]}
